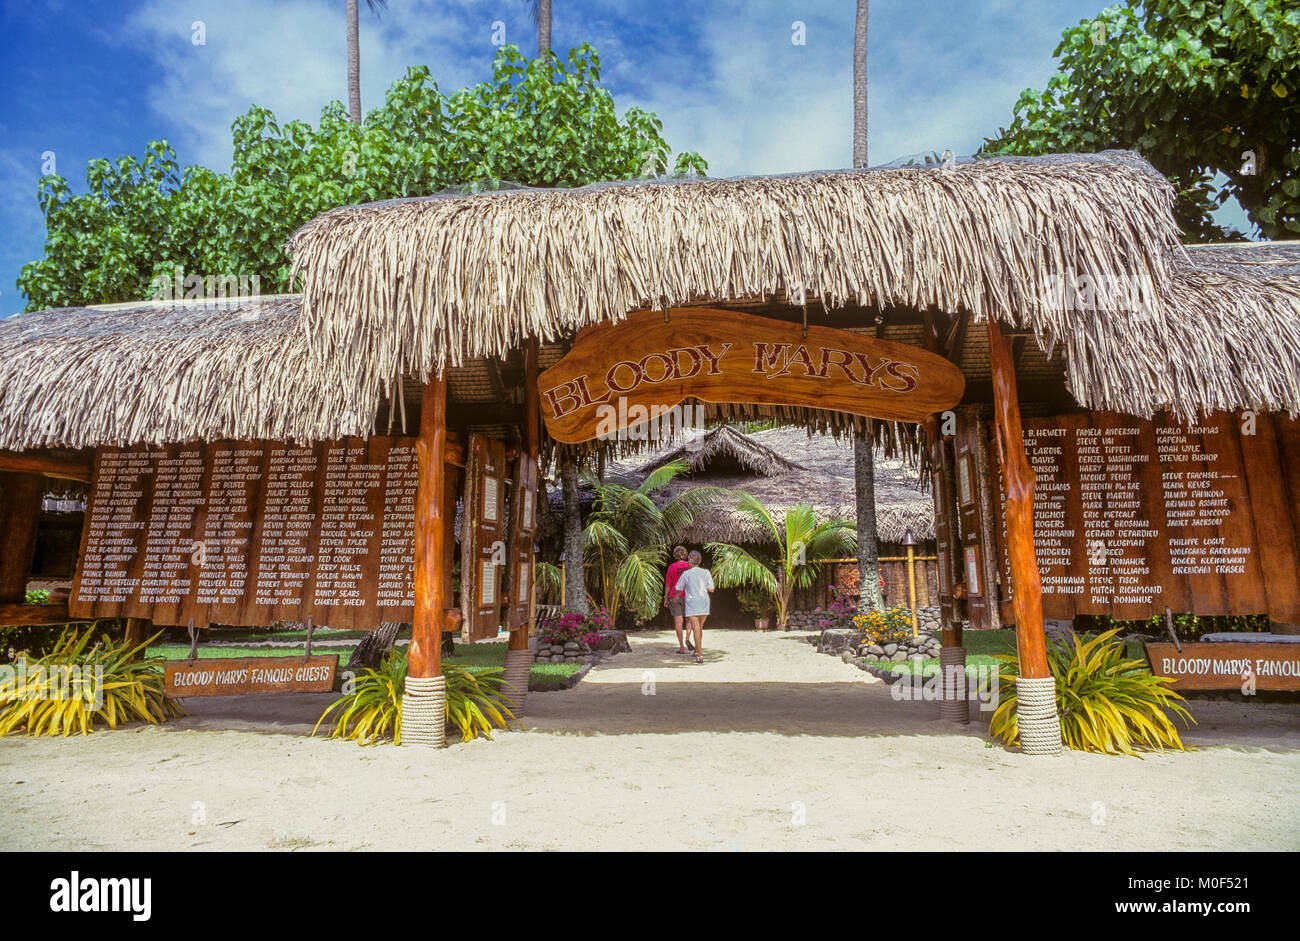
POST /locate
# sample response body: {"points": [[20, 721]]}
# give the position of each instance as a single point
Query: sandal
{"points": [[689, 645], [681, 650], [699, 659]]}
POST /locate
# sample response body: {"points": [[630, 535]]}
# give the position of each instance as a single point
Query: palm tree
{"points": [[542, 17], [627, 538], [864, 462], [802, 546], [354, 57]]}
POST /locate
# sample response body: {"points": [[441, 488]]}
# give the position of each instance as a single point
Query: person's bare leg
{"points": [[677, 623], [697, 623]]}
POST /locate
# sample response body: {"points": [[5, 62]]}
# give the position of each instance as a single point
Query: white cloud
{"points": [[291, 57]]}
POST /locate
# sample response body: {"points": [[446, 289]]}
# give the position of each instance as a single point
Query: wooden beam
{"points": [[20, 512], [947, 499], [1019, 479], [432, 560], [48, 465], [531, 444], [27, 615]]}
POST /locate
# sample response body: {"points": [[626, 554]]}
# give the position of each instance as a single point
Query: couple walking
{"points": [[687, 587]]}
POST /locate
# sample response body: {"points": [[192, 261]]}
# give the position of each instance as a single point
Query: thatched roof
{"points": [[411, 285], [783, 467], [397, 289], [165, 372]]}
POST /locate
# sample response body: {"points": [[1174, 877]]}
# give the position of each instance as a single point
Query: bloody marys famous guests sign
{"points": [[619, 375]]}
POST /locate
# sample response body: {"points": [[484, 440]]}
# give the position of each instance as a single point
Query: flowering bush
{"points": [[572, 626], [885, 627], [840, 611]]}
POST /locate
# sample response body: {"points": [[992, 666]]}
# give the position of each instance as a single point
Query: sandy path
{"points": [[767, 746]]}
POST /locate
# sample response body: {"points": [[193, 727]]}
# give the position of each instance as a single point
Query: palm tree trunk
{"points": [[864, 476], [864, 462], [860, 87], [374, 646], [543, 27], [575, 586], [354, 64]]}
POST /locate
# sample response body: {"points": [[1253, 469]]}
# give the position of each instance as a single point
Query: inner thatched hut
{"points": [[784, 467], [929, 307]]}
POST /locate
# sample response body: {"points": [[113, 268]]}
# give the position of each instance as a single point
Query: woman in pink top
{"points": [[674, 600]]}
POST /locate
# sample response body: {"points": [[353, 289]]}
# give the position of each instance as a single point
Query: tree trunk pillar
{"points": [[864, 478], [424, 702], [575, 584], [1039, 724]]}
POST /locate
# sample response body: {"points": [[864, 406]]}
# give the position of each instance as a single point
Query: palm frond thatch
{"points": [[394, 291]]}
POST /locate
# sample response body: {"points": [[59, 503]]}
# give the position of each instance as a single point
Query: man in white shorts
{"points": [[697, 584]]}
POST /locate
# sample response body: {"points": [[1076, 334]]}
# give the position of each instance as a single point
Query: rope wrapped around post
{"points": [[1036, 717], [519, 664], [954, 706], [424, 711]]}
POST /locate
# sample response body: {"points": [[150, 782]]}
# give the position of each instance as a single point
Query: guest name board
{"points": [[1131, 516], [231, 677], [251, 533]]}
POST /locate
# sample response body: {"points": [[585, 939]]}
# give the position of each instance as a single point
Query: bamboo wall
{"points": [[845, 575]]}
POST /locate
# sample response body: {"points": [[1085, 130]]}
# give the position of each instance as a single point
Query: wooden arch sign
{"points": [[620, 375]]}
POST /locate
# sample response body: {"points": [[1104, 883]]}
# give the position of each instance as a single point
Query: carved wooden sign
{"points": [[620, 375], [1228, 665], [482, 548], [227, 676], [251, 532]]}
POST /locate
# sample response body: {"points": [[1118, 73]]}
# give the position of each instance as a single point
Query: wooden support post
{"points": [[432, 560], [1019, 478], [137, 629], [911, 587], [532, 445], [947, 499], [20, 513]]}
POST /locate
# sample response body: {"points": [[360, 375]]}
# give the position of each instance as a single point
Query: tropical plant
{"points": [[1107, 703], [1199, 89], [841, 612], [37, 596], [372, 711], [574, 626], [74, 688], [547, 581], [545, 122], [754, 601], [802, 547], [892, 626], [627, 537]]}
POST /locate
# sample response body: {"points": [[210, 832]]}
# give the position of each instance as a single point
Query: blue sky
{"points": [[98, 79]]}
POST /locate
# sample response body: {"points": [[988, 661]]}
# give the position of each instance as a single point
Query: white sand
{"points": [[767, 746]]}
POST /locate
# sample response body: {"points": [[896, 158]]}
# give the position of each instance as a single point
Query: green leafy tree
{"points": [[1196, 87], [802, 546], [548, 122], [627, 537]]}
